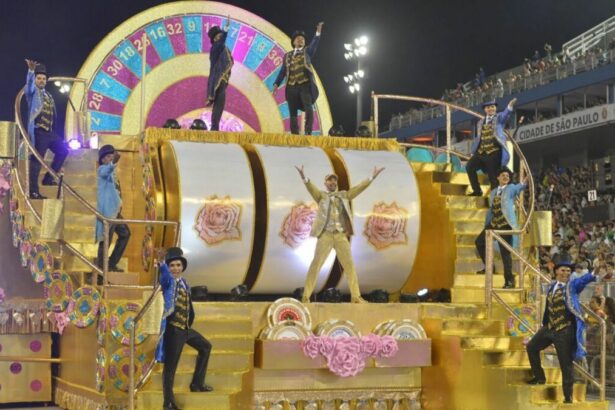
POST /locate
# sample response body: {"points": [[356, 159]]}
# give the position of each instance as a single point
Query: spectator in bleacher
{"points": [[41, 117], [502, 216], [489, 150], [109, 203]]}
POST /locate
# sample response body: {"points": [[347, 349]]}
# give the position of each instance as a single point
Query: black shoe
{"points": [[36, 195], [480, 272], [568, 401], [509, 285], [475, 193], [170, 406], [49, 181], [534, 381], [203, 388], [115, 269]]}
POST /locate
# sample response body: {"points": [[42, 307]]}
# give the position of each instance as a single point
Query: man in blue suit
{"points": [[221, 62], [301, 89], [563, 325], [489, 151], [41, 117], [176, 328], [501, 216]]}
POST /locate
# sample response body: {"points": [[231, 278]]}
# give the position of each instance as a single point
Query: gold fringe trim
{"points": [[348, 400], [74, 401], [158, 135]]}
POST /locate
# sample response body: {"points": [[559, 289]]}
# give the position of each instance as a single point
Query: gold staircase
{"points": [[228, 326], [477, 365]]}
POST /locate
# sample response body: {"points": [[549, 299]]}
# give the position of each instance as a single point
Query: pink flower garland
{"points": [[5, 182], [346, 356]]}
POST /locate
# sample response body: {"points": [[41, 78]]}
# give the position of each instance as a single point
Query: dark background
{"points": [[416, 47]]}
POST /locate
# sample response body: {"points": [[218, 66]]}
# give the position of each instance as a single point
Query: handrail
{"points": [[437, 149], [490, 236]]}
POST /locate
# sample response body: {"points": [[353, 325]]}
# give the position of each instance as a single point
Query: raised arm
{"points": [[505, 115], [357, 189], [106, 170], [312, 189], [30, 86], [311, 49]]}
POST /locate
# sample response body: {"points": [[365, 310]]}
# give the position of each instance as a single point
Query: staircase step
{"points": [[87, 193], [515, 358], [472, 265], [430, 167], [237, 326], [477, 295], [465, 239], [71, 234], [223, 380], [469, 327], [457, 189], [469, 227], [458, 178], [461, 214], [219, 361], [522, 373], [467, 202], [492, 343], [135, 295], [123, 278], [215, 400], [551, 393], [224, 309], [449, 310], [233, 342]]}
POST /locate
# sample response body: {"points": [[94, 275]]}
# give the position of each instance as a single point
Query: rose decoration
{"points": [[346, 355], [386, 225], [2, 295], [346, 359], [61, 321], [311, 346], [297, 224], [389, 346], [371, 345], [5, 182], [218, 220]]}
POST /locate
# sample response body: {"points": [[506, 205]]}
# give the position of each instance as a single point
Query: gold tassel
{"points": [[159, 135], [52, 220]]}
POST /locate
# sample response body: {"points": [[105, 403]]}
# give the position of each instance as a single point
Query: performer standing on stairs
{"points": [[41, 115], [220, 64], [332, 227], [489, 151], [301, 88], [563, 325], [176, 328], [109, 203], [501, 216]]}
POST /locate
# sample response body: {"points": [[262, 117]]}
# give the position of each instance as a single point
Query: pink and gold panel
{"points": [[291, 210], [386, 219], [215, 198]]}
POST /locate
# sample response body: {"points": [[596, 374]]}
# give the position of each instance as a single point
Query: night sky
{"points": [[416, 47]]}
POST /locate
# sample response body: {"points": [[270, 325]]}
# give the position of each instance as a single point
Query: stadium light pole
{"points": [[356, 51]]}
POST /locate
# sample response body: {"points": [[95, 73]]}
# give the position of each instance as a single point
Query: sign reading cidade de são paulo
{"points": [[575, 121]]}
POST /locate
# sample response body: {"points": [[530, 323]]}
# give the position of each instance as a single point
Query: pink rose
{"points": [[61, 321], [371, 345], [311, 346], [298, 224], [327, 346], [346, 359], [386, 225], [389, 346], [218, 220]]}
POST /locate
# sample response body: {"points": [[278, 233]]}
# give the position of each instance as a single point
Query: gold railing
{"points": [[490, 294], [107, 223]]}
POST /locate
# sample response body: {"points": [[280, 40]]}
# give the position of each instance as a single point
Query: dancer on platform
{"points": [[489, 151], [220, 64], [301, 88], [109, 203], [502, 216], [332, 227], [563, 325], [41, 115], [176, 328]]}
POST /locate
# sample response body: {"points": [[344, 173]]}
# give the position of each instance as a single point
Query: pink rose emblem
{"points": [[298, 224], [371, 345], [389, 346], [386, 225], [327, 346], [346, 359], [311, 346], [218, 220]]}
